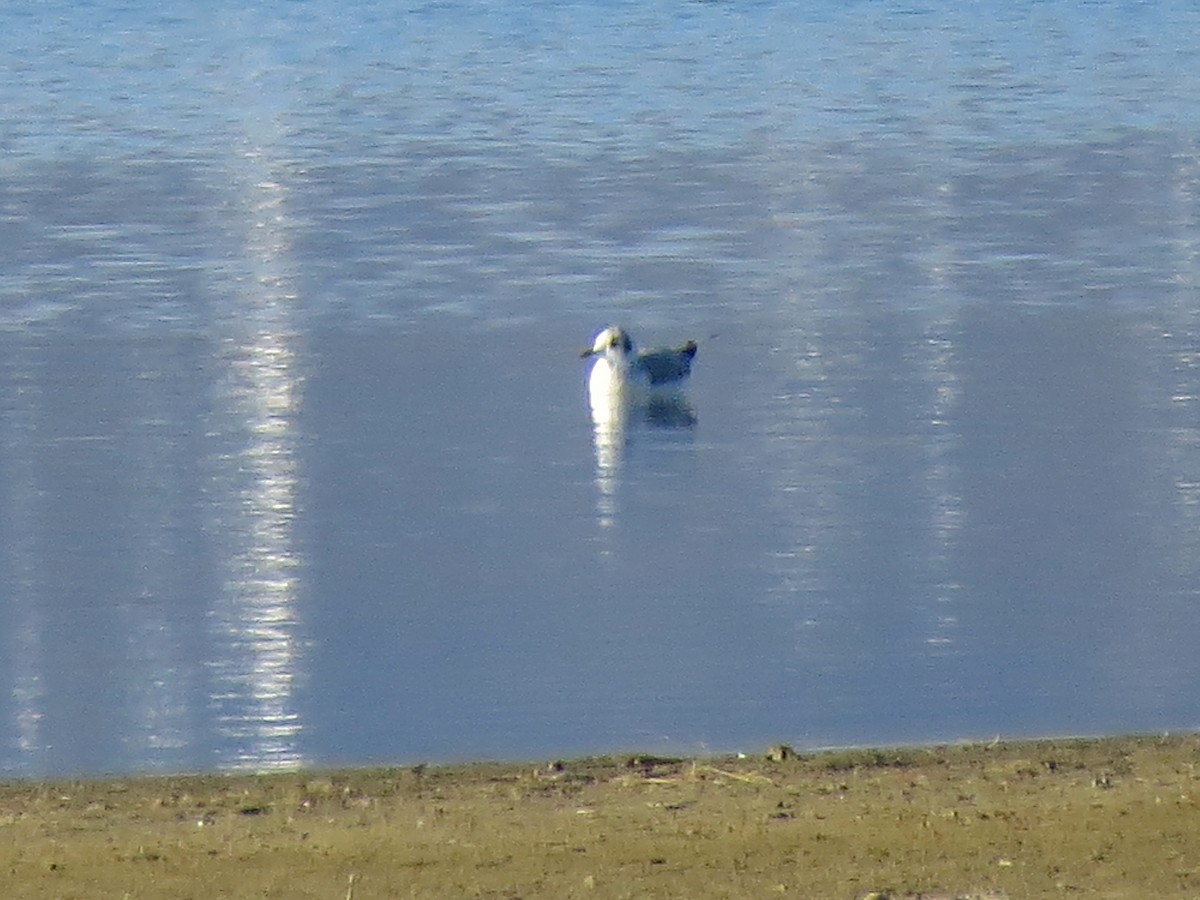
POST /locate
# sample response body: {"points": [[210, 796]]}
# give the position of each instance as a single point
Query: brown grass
{"points": [[1092, 818]]}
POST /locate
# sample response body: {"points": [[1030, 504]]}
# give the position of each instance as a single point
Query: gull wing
{"points": [[666, 365]]}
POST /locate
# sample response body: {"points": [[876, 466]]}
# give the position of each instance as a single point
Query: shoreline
{"points": [[1112, 817]]}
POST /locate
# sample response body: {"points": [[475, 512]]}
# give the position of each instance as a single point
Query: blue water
{"points": [[296, 463]]}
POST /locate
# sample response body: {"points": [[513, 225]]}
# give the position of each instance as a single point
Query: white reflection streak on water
{"points": [[942, 477], [946, 512], [255, 620], [1183, 329], [18, 447]]}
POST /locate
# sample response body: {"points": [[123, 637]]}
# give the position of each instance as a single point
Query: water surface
{"points": [[296, 465]]}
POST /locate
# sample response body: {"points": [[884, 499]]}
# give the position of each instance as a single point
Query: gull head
{"points": [[613, 343]]}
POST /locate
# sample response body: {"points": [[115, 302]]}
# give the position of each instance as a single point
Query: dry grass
{"points": [[1106, 818]]}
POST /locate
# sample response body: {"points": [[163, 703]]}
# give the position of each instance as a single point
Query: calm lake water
{"points": [[296, 462]]}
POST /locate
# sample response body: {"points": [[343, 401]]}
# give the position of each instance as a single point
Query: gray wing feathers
{"points": [[665, 366]]}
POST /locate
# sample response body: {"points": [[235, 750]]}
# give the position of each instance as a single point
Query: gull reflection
{"points": [[627, 389]]}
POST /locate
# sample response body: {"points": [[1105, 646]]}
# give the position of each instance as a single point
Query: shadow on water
{"points": [[670, 412]]}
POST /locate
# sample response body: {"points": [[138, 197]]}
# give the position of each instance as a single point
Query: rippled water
{"points": [[296, 465]]}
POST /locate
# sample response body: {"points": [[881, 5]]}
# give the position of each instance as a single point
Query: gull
{"points": [[620, 369], [627, 388]]}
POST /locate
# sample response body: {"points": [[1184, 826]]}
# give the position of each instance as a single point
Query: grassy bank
{"points": [[1093, 818]]}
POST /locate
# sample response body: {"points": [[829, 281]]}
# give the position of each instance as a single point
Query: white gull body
{"points": [[621, 371]]}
